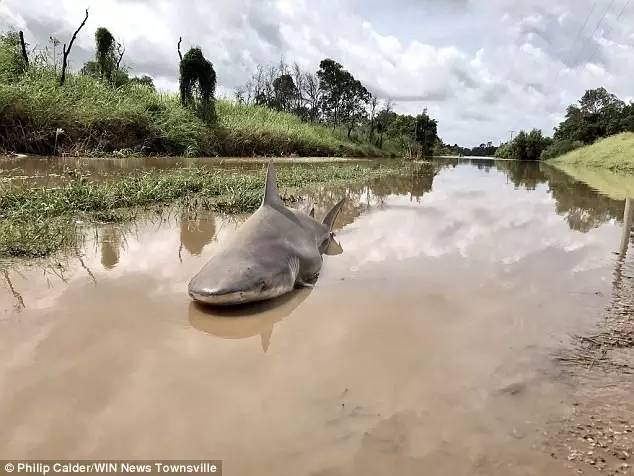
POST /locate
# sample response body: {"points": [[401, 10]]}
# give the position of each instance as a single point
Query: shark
{"points": [[276, 250]]}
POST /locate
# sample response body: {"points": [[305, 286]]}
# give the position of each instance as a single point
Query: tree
{"points": [[344, 98], [354, 103], [525, 146], [144, 80], [383, 120], [374, 103], [198, 83], [12, 63], [105, 52], [25, 56], [66, 51], [284, 93], [332, 79], [426, 133], [598, 114], [313, 96]]}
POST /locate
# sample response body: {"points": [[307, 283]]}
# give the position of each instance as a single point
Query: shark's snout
{"points": [[239, 292], [225, 296]]}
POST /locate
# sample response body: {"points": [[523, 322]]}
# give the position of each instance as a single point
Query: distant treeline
{"points": [[333, 96], [598, 114], [483, 150]]}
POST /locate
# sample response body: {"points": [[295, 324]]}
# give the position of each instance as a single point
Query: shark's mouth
{"points": [[233, 297]]}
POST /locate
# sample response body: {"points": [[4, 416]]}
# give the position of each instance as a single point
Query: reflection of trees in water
{"points": [[583, 207], [522, 174], [196, 231], [415, 182], [112, 238]]}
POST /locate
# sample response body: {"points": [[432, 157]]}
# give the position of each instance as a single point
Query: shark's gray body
{"points": [[275, 250]]}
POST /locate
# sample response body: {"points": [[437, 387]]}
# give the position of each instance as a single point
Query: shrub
{"points": [[560, 147]]}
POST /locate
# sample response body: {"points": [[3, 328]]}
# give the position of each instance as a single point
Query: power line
{"points": [[583, 27], [596, 28], [596, 48]]}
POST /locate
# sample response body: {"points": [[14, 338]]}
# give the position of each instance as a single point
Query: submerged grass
{"points": [[37, 221]]}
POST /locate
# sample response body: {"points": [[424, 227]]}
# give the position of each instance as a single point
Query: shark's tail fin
{"points": [[331, 216], [271, 194]]}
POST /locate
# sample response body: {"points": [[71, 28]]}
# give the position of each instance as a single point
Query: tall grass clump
{"points": [[88, 116], [246, 130]]}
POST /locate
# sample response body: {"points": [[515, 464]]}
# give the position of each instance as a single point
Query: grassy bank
{"points": [[96, 118], [615, 153], [37, 221]]}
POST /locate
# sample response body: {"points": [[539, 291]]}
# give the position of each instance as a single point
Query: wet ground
{"points": [[427, 347]]}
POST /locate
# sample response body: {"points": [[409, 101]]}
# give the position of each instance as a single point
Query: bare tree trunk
{"points": [[180, 55], [121, 51], [67, 51], [24, 55]]}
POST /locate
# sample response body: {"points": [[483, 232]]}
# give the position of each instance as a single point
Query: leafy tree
{"points": [[354, 102], [105, 55], [344, 98], [285, 93], [332, 79], [426, 133], [12, 63], [598, 114], [144, 80], [198, 83], [525, 146], [383, 120]]}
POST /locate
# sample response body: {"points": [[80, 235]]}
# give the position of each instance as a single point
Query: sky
{"points": [[481, 68]]}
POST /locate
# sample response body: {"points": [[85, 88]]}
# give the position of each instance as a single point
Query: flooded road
{"points": [[427, 344]]}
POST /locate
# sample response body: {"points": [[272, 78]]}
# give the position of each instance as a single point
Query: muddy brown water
{"points": [[425, 348]]}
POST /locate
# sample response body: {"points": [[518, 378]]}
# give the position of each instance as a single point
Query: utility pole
{"points": [[512, 132]]}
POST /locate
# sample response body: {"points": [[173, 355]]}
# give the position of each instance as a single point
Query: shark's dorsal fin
{"points": [[331, 216], [271, 195], [312, 213]]}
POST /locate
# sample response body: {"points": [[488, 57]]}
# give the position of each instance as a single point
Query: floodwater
{"points": [[425, 348]]}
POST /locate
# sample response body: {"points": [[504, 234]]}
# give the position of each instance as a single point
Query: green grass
{"points": [[37, 221], [615, 153], [99, 119]]}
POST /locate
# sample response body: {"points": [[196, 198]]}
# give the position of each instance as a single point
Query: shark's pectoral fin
{"points": [[306, 282], [303, 284]]}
